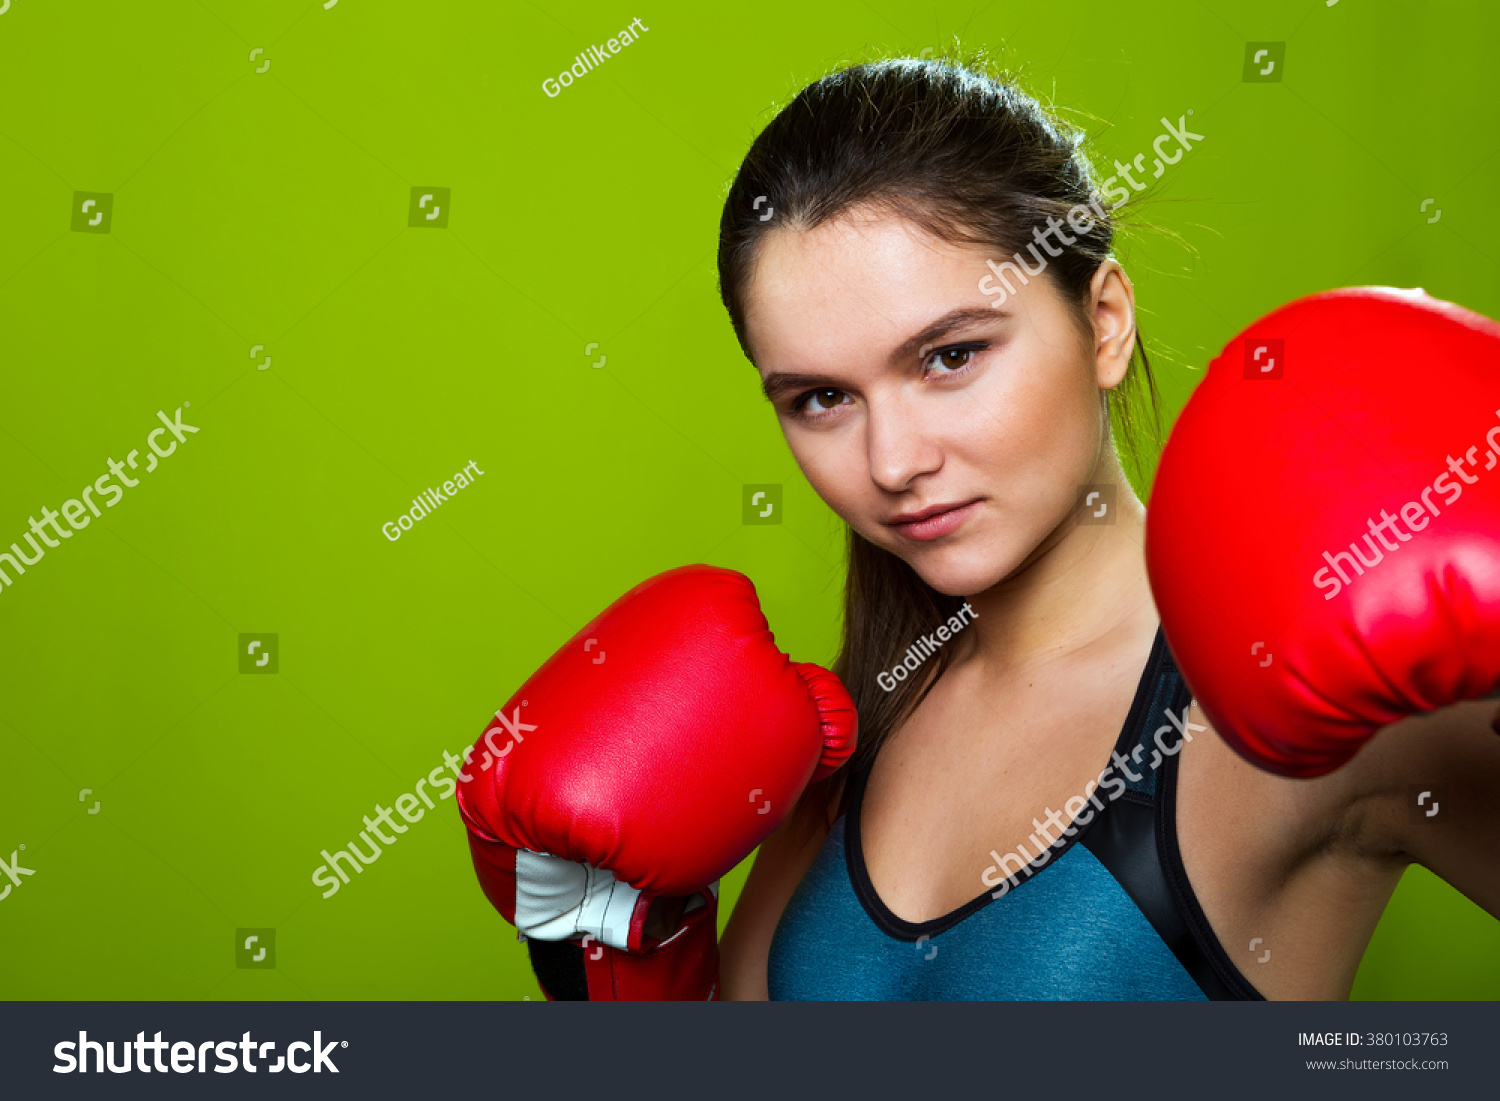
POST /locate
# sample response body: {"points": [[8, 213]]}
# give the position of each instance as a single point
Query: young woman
{"points": [[956, 432]]}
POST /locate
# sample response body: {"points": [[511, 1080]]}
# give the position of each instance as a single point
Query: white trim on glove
{"points": [[559, 899]]}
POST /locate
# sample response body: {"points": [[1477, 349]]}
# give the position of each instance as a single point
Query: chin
{"points": [[961, 570]]}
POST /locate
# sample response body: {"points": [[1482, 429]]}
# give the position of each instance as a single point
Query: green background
{"points": [[271, 209]]}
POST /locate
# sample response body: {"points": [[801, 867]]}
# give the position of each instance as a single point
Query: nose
{"points": [[902, 447]]}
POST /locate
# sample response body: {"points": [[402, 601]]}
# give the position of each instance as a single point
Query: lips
{"points": [[935, 521]]}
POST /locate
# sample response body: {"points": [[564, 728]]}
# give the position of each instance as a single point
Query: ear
{"points": [[1112, 309]]}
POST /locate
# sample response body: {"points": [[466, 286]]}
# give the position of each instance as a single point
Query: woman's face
{"points": [[953, 434]]}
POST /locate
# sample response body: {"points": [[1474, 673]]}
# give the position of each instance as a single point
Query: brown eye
{"points": [[953, 359], [820, 401]]}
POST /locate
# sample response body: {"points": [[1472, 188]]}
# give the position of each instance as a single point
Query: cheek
{"points": [[1030, 438], [836, 466]]}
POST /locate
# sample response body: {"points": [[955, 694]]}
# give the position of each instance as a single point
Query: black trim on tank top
{"points": [[854, 855], [1137, 842], [1134, 837], [1211, 962]]}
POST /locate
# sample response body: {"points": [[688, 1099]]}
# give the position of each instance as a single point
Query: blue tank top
{"points": [[1104, 914]]}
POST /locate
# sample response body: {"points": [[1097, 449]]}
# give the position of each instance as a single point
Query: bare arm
{"points": [[1453, 756], [745, 948]]}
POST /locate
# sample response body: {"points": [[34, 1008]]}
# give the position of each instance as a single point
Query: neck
{"points": [[1082, 585]]}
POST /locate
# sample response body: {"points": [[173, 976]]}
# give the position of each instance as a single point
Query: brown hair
{"points": [[971, 159]]}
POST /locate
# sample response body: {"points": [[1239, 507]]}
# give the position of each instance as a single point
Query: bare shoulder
{"points": [[1431, 793], [1306, 867], [1437, 745], [1288, 872], [1292, 818], [1365, 806]]}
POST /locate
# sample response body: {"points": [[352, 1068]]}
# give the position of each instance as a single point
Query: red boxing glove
{"points": [[646, 758], [1323, 538]]}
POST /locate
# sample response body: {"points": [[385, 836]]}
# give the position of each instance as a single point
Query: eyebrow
{"points": [[953, 319], [777, 383]]}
